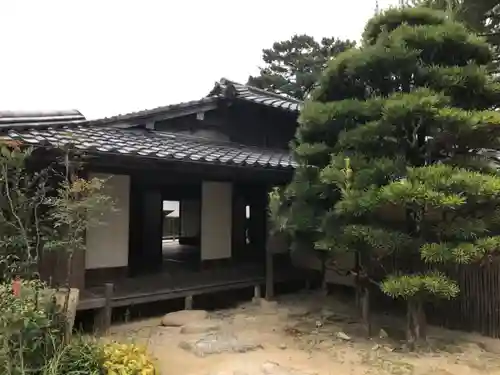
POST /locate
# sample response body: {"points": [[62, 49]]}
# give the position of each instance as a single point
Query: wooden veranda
{"points": [[165, 286]]}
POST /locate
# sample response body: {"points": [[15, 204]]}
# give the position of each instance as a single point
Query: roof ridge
{"points": [[35, 119], [261, 91], [149, 112]]}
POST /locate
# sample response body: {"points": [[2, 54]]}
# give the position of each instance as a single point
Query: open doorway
{"points": [[180, 241], [247, 222], [171, 221]]}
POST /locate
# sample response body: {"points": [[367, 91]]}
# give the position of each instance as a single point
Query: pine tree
{"points": [[393, 157], [481, 16], [293, 66]]}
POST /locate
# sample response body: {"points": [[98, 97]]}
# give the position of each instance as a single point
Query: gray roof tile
{"points": [[225, 88], [39, 119], [155, 144]]}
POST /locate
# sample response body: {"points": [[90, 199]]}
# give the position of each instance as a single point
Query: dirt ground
{"points": [[311, 335]]}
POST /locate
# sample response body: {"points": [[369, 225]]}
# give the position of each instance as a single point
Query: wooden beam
{"points": [[164, 169]]}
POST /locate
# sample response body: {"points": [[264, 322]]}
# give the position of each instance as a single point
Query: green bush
{"points": [[32, 340], [31, 328], [80, 356]]}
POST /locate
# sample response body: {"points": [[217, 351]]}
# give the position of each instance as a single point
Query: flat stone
{"points": [[343, 336], [218, 343], [298, 312], [267, 368], [268, 305], [183, 317], [202, 326]]}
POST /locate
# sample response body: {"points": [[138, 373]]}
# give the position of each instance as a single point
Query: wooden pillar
{"points": [[269, 251], [145, 230], [102, 321], [269, 274], [188, 303], [239, 246], [190, 220]]}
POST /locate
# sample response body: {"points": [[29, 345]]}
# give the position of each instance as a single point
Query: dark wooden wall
{"points": [[254, 196], [243, 123]]}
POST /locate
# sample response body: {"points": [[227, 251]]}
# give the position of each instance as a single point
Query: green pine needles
{"points": [[395, 150]]}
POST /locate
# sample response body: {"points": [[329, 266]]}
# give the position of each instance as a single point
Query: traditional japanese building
{"points": [[218, 157]]}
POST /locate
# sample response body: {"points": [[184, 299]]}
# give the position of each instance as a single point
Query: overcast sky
{"points": [[105, 57]]}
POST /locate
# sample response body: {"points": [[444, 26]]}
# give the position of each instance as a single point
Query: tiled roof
{"points": [[168, 111], [232, 90], [154, 144], [37, 119]]}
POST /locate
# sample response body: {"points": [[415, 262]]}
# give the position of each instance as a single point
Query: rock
{"points": [[343, 336], [282, 346], [298, 312], [243, 319], [326, 313], [270, 367], [202, 326], [383, 334], [218, 343], [268, 305], [183, 317]]}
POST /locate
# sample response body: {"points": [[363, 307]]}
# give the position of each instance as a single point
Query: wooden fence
{"points": [[475, 309]]}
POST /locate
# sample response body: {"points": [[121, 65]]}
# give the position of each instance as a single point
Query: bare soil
{"points": [[312, 335]]}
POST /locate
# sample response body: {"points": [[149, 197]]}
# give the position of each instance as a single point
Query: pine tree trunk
{"points": [[420, 322], [416, 323], [410, 331], [324, 285], [365, 311], [357, 281]]}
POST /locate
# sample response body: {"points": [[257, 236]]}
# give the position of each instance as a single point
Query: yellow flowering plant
{"points": [[129, 359]]}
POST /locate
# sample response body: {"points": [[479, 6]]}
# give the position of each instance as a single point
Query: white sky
{"points": [[105, 57]]}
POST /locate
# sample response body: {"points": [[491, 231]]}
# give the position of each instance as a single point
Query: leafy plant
{"points": [[43, 207], [22, 197], [31, 328], [77, 206], [276, 204]]}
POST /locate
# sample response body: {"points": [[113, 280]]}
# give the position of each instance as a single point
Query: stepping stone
{"points": [[183, 317], [203, 326]]}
